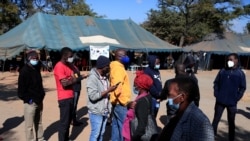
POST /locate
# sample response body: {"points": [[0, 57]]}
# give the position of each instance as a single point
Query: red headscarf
{"points": [[142, 80]]}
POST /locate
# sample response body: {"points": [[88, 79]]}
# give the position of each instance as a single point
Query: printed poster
{"points": [[96, 51]]}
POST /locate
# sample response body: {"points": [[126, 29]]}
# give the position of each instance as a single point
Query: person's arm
{"points": [[164, 92], [155, 89], [22, 85], [216, 83], [110, 89], [93, 92], [69, 81], [242, 86]]}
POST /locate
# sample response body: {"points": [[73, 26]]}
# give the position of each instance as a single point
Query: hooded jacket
{"points": [[97, 104], [156, 88]]}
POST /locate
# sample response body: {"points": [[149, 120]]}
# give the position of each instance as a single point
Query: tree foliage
{"points": [[8, 16], [12, 12], [182, 22], [247, 14]]}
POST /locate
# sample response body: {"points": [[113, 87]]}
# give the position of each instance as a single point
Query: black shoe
{"points": [[76, 123]]}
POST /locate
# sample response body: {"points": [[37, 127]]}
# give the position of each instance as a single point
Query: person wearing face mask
{"points": [[31, 91], [189, 122], [77, 90], [179, 72], [153, 71], [229, 87], [65, 79], [142, 84], [98, 90], [120, 98]]}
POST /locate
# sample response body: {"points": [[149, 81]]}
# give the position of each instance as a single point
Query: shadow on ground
{"points": [[8, 92], [240, 133], [244, 112], [11, 123], [75, 131]]}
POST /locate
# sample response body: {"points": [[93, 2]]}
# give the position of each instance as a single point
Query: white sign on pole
{"points": [[96, 51]]}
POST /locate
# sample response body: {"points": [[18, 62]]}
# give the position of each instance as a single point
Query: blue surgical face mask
{"points": [[125, 59], [157, 67], [33, 62], [135, 90], [172, 104]]}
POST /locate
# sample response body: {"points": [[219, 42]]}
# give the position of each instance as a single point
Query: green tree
{"points": [[12, 12], [8, 16], [80, 9], [247, 15], [186, 21]]}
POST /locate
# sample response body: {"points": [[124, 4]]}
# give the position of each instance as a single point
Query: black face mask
{"points": [[105, 71]]}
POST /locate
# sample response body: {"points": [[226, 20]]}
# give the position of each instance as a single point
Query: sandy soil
{"points": [[11, 113]]}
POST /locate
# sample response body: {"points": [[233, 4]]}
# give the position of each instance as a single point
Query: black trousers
{"points": [[231, 112], [66, 109], [76, 99]]}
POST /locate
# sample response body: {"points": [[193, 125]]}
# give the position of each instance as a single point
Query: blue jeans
{"points": [[231, 112], [119, 115], [98, 125]]}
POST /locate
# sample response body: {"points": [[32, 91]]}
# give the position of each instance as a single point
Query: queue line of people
{"points": [[109, 94]]}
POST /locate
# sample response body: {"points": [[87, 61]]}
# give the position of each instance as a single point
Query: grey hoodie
{"points": [[96, 103]]}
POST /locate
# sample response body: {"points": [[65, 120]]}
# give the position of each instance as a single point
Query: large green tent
{"points": [[222, 44], [52, 32]]}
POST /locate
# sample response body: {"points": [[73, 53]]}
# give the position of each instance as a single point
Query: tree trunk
{"points": [[181, 41]]}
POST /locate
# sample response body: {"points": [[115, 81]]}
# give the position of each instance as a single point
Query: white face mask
{"points": [[157, 67], [33, 62], [230, 64], [70, 60]]}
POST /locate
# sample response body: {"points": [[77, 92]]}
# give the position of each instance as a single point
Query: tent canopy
{"points": [[221, 45], [52, 32]]}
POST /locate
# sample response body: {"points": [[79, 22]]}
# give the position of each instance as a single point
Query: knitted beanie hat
{"points": [[102, 62]]}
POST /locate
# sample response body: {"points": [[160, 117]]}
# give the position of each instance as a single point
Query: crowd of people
{"points": [[110, 96]]}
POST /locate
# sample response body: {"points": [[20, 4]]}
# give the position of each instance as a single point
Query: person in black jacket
{"points": [[180, 72], [77, 91], [31, 91], [229, 87], [155, 90]]}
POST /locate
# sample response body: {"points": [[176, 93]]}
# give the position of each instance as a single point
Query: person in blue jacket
{"points": [[153, 71], [229, 87]]}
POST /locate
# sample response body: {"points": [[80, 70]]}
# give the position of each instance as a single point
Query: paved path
{"points": [[11, 109]]}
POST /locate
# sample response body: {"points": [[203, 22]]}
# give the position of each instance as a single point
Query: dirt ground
{"points": [[12, 120]]}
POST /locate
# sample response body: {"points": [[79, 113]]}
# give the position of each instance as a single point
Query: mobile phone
{"points": [[117, 84]]}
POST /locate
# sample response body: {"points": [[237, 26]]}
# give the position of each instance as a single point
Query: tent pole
{"points": [[247, 62], [4, 59], [3, 65]]}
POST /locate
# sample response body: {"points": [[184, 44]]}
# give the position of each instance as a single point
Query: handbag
{"points": [[151, 128]]}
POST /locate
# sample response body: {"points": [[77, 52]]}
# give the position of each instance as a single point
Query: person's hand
{"points": [[85, 76], [131, 104], [112, 88]]}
